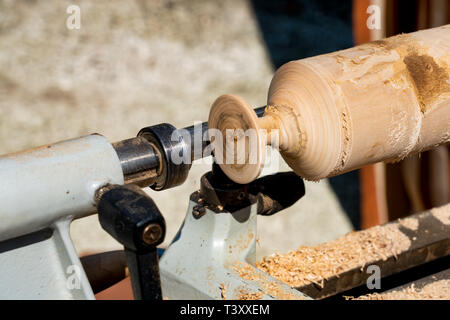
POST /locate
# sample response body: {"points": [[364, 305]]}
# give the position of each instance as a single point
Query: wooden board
{"points": [[340, 265]]}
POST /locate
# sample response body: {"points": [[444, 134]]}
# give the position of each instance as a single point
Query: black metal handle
{"points": [[131, 217]]}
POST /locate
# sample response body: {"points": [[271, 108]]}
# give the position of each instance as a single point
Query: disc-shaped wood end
{"points": [[237, 143]]}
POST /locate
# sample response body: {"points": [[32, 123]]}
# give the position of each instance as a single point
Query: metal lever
{"points": [[131, 217]]}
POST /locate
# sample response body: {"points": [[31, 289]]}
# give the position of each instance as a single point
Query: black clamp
{"points": [[132, 218], [272, 193]]}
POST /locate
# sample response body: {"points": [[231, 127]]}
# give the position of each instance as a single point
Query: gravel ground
{"points": [[134, 64]]}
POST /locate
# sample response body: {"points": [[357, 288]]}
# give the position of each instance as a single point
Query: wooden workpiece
{"points": [[337, 112]]}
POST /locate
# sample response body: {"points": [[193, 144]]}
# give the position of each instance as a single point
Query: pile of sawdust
{"points": [[354, 250], [439, 290], [247, 272], [250, 295]]}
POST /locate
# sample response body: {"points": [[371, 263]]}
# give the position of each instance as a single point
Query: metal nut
{"points": [[198, 211]]}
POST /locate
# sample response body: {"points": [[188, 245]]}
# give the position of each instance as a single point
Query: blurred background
{"points": [[138, 63]]}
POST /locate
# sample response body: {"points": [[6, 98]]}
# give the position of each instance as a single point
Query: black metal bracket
{"points": [[131, 217], [272, 193]]}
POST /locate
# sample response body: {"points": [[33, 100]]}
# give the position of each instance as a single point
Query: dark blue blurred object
{"points": [[295, 29]]}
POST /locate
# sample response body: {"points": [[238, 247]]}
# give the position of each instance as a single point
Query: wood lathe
{"points": [[337, 112], [332, 113]]}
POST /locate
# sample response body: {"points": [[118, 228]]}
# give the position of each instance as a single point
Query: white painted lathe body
{"points": [[41, 191]]}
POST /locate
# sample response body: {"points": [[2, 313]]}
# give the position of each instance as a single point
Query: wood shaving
{"points": [[250, 295], [272, 288], [409, 223], [247, 272], [316, 264], [439, 290], [223, 291], [442, 214]]}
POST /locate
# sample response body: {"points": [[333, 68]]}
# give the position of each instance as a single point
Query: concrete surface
{"points": [[134, 64]]}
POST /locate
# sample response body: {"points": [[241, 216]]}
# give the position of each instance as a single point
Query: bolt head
{"points": [[152, 233]]}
